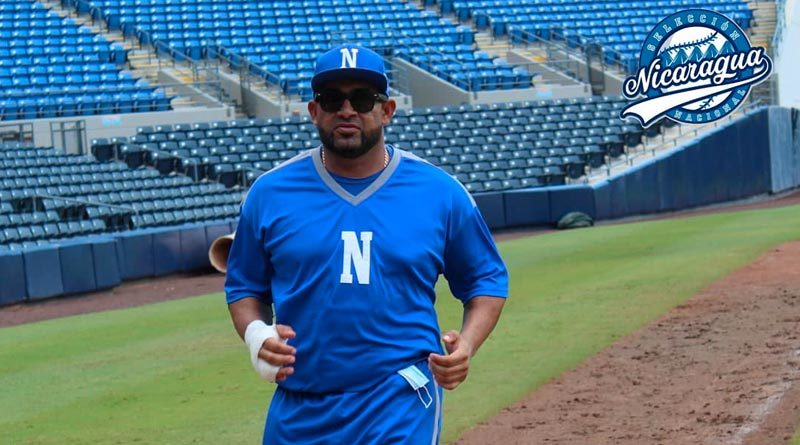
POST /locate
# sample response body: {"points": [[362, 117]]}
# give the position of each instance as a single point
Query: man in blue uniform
{"points": [[347, 242]]}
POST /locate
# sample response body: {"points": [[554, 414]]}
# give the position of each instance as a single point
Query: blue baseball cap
{"points": [[350, 61]]}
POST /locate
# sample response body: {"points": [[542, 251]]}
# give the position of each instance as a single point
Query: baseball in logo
{"points": [[696, 66]]}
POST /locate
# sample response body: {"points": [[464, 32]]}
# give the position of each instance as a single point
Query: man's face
{"points": [[347, 132]]}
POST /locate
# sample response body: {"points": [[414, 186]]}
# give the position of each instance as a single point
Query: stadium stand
{"points": [[51, 67], [280, 40], [618, 26], [46, 195], [487, 147]]}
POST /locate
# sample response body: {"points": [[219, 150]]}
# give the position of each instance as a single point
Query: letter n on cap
{"points": [[349, 56]]}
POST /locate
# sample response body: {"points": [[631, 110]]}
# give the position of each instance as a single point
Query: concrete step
{"points": [[186, 79], [763, 6], [487, 43]]}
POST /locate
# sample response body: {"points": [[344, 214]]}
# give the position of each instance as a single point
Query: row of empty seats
{"points": [[69, 102], [264, 35], [619, 27], [52, 67], [46, 194], [487, 147]]}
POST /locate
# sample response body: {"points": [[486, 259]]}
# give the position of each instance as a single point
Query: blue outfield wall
{"points": [[103, 261], [757, 154]]}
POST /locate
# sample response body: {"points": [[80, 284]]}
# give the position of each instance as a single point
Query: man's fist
{"points": [[451, 369]]}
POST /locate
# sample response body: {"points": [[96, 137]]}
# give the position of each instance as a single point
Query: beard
{"points": [[353, 147]]}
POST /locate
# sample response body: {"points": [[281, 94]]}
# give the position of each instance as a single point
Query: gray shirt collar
{"points": [[336, 188]]}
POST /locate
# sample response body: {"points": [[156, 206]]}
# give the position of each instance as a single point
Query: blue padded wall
{"points": [[716, 147], [754, 141], [492, 208], [617, 197], [166, 251], [106, 263], [216, 230], [643, 189], [527, 207], [12, 278], [77, 267], [43, 272], [731, 162], [724, 146], [602, 199], [121, 261], [680, 180], [137, 249], [666, 166], [694, 175], [194, 254], [571, 198]]}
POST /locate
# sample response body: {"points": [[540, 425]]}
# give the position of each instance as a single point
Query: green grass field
{"points": [[176, 373]]}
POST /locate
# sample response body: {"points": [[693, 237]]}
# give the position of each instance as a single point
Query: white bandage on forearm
{"points": [[255, 335]]}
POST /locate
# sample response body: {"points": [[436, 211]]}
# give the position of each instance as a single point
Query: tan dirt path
{"points": [[723, 368]]}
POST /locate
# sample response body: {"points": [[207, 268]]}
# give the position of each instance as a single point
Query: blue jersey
{"points": [[354, 276]]}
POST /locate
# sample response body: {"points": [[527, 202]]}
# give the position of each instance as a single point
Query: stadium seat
{"points": [[525, 22], [280, 54]]}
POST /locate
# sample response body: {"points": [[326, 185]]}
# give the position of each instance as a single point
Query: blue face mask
{"points": [[417, 380]]}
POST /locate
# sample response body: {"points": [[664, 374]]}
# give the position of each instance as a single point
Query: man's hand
{"points": [[278, 353], [451, 369]]}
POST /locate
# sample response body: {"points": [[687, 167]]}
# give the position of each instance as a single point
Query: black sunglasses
{"points": [[362, 100]]}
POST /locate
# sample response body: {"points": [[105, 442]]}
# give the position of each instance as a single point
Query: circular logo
{"points": [[699, 64]]}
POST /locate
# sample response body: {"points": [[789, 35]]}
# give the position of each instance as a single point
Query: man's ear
{"points": [[389, 107], [313, 111]]}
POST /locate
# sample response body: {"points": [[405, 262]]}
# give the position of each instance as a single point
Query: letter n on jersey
{"points": [[355, 256]]}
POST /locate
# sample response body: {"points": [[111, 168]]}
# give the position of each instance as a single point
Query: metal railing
{"points": [[83, 90], [249, 74], [200, 69], [557, 55], [85, 202], [54, 109], [558, 43]]}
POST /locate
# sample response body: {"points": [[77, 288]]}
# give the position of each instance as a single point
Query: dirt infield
{"points": [[723, 368]]}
